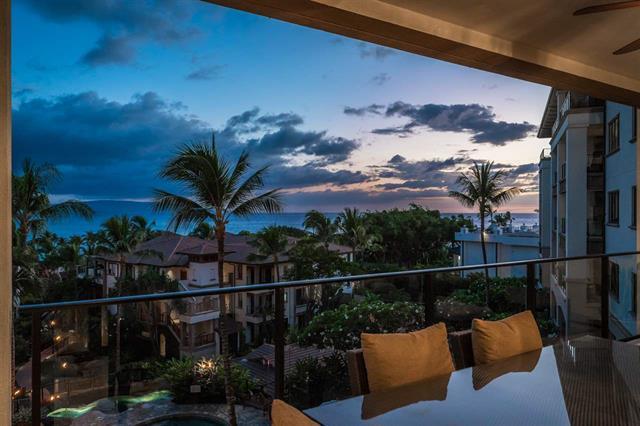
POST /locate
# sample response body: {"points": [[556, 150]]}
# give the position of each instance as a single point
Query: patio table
{"points": [[588, 380]]}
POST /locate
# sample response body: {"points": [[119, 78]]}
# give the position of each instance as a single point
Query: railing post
{"points": [[36, 392], [531, 287], [279, 343], [604, 296], [428, 298]]}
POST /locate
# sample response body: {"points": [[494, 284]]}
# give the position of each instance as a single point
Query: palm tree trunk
{"points": [[224, 339], [104, 317], [484, 259], [123, 266]]}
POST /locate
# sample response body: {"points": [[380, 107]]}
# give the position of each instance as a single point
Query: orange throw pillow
{"points": [[282, 414], [494, 340], [399, 358]]}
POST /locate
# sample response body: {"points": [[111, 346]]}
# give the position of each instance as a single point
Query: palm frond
{"points": [[186, 212], [269, 202], [67, 209], [462, 198]]}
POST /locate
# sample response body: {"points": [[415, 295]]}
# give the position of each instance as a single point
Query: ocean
{"points": [[106, 209]]}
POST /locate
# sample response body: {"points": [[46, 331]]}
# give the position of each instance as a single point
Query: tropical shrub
{"points": [[314, 381], [208, 374], [340, 328]]}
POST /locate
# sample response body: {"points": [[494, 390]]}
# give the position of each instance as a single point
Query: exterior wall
{"points": [[544, 202], [500, 248], [575, 285], [620, 173], [203, 274], [572, 284]]}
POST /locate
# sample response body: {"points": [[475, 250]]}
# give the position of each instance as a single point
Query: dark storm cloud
{"points": [[124, 24], [85, 129], [478, 120]]}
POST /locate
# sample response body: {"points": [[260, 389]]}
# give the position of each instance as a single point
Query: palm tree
{"points": [[270, 242], [143, 228], [121, 236], [215, 191], [482, 188], [32, 208], [204, 230], [354, 233], [320, 226]]}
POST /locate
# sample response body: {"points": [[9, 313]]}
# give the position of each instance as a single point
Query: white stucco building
{"points": [[586, 203], [502, 245], [192, 262]]}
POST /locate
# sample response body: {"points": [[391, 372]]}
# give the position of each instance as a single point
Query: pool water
{"points": [[120, 403]]}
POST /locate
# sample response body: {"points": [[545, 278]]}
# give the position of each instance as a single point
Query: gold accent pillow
{"points": [[282, 414], [494, 340], [396, 359]]}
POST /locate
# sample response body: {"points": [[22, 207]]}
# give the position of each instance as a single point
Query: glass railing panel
{"points": [[623, 297], [136, 361]]}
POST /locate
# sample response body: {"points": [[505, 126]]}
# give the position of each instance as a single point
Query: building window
{"points": [[634, 292], [614, 208], [183, 274], [614, 280], [239, 272], [614, 134], [634, 205], [563, 225]]}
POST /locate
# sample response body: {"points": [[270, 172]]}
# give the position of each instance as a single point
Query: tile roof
{"points": [[261, 361], [174, 250]]}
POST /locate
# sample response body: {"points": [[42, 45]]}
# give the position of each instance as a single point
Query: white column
{"points": [[6, 298]]}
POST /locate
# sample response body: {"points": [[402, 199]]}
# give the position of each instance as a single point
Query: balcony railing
{"points": [[206, 305], [436, 291]]}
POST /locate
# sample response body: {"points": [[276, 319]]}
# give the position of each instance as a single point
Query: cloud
{"points": [[440, 175], [85, 129], [124, 24], [109, 149], [368, 50], [374, 109], [208, 72], [478, 120], [311, 175], [110, 50], [291, 141], [276, 135], [380, 79], [25, 91]]}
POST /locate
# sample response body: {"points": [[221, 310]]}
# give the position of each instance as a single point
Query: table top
{"points": [[588, 380]]}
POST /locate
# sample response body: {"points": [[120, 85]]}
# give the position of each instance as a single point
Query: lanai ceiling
{"points": [[540, 41]]}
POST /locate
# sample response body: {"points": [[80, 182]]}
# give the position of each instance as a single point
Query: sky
{"points": [[108, 90]]}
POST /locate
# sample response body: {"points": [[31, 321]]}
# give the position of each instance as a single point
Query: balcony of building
{"points": [[78, 376]]}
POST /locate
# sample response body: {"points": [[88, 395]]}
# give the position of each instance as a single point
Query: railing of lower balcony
{"points": [[78, 362]]}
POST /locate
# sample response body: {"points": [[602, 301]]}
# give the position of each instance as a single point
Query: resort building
{"points": [[587, 205], [191, 328], [503, 244]]}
